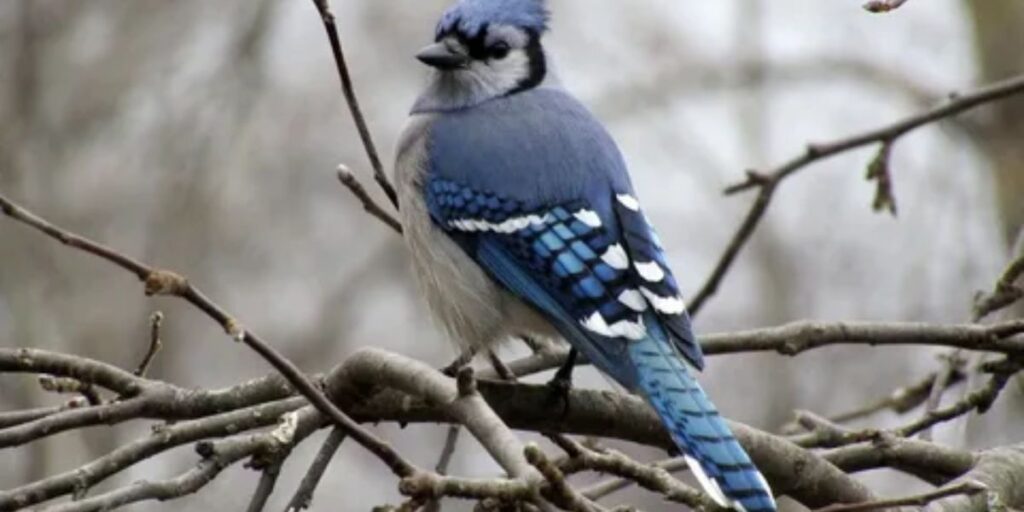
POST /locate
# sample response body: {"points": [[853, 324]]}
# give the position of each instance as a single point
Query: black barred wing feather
{"points": [[654, 279], [604, 268]]}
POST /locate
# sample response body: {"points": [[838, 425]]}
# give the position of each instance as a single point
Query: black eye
{"points": [[499, 50]]}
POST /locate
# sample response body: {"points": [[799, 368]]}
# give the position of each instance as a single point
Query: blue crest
{"points": [[471, 16]]}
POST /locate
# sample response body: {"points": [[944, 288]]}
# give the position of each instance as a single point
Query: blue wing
{"points": [[537, 194], [602, 273]]}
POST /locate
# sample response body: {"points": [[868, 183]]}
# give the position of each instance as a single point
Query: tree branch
{"points": [[162, 282], [348, 90], [880, 6], [303, 496], [350, 182], [769, 181], [920, 500]]}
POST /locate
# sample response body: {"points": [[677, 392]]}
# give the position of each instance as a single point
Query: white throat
{"points": [[480, 82]]}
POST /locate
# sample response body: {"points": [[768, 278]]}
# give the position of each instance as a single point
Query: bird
{"points": [[520, 219]]}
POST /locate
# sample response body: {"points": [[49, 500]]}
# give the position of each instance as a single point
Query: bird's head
{"points": [[485, 49]]}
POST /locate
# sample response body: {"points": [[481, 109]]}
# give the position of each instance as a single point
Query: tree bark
{"points": [[999, 37]]}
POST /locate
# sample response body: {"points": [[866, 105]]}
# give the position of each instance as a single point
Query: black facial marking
{"points": [[538, 65], [478, 50]]}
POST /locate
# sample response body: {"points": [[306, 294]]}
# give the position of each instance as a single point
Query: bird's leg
{"points": [[561, 383], [464, 358]]}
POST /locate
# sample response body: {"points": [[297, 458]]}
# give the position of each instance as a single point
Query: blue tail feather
{"points": [[718, 461]]}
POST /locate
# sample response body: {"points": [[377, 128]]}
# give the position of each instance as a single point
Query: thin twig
{"points": [[901, 400], [980, 400], [879, 6], [1006, 291], [70, 385], [155, 343], [649, 476], [129, 454], [350, 181], [920, 500], [265, 487], [13, 418], [447, 452], [216, 456], [303, 496], [768, 182], [450, 441], [613, 485], [348, 89], [163, 282], [953, 362], [559, 491]]}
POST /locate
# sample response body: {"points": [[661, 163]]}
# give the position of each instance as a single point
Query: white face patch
{"points": [[496, 77], [650, 271], [621, 329], [485, 76], [588, 217]]}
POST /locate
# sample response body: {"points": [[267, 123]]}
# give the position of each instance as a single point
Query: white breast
{"points": [[469, 305]]}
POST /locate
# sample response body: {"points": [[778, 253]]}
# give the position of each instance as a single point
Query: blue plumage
{"points": [[512, 188], [472, 16]]}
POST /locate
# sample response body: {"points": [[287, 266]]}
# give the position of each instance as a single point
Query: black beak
{"points": [[439, 56]]}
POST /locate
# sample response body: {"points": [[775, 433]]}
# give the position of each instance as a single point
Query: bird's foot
{"points": [[464, 358], [560, 385]]}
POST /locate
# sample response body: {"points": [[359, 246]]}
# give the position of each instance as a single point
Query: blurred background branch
{"points": [[202, 138]]}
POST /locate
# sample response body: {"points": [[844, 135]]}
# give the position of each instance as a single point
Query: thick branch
{"points": [[1001, 470], [790, 469]]}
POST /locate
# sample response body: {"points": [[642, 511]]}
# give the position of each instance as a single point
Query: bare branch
{"points": [[768, 181], [463, 403], [879, 6], [265, 487], [796, 338], [931, 462], [161, 440], [155, 320], [1001, 471], [792, 339], [980, 400], [1006, 291], [216, 456], [162, 282], [790, 469], [920, 500], [348, 89], [350, 181], [559, 491], [303, 496], [901, 400], [650, 477]]}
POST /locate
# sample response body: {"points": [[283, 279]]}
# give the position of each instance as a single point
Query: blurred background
{"points": [[203, 137]]}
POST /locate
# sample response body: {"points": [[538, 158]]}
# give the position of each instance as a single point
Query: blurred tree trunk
{"points": [[999, 40]]}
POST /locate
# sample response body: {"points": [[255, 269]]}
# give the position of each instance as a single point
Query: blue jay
{"points": [[521, 220]]}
